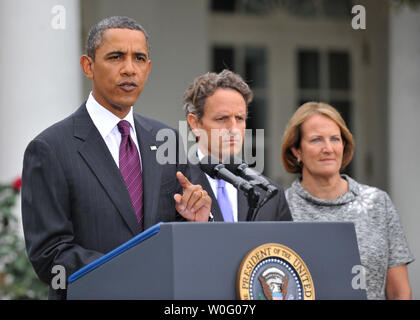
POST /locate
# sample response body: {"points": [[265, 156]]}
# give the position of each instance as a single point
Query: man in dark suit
{"points": [[92, 181], [216, 110]]}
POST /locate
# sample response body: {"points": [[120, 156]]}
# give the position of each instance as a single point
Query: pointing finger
{"points": [[185, 183]]}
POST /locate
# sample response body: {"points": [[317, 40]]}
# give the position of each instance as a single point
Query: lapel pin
{"points": [[153, 148]]}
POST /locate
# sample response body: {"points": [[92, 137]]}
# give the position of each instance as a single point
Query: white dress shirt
{"points": [[106, 123], [231, 190]]}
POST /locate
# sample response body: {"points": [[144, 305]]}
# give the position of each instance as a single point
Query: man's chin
{"points": [[125, 101], [225, 155], [121, 105]]}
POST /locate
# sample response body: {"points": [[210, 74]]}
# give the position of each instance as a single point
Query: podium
{"points": [[188, 261]]}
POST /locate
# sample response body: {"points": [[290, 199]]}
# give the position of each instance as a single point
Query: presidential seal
{"points": [[274, 272]]}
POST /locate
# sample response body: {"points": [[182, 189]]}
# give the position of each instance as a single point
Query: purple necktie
{"points": [[131, 170], [223, 201]]}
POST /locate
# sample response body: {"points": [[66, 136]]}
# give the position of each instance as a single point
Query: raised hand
{"points": [[195, 203]]}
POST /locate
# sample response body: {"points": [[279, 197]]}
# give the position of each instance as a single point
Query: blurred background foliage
{"points": [[17, 277]]}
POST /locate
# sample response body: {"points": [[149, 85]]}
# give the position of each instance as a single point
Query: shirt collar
{"points": [[349, 196], [200, 154], [104, 120]]}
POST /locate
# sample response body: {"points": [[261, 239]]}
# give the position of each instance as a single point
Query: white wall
{"points": [[39, 80], [404, 110]]}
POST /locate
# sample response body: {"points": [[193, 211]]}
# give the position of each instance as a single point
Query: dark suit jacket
{"points": [[75, 205], [276, 209]]}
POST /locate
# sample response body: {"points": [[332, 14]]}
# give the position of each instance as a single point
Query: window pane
{"points": [[257, 7], [256, 114], [344, 108], [257, 120], [255, 67], [339, 70], [337, 8], [314, 98], [223, 58], [303, 8], [223, 5], [308, 69]]}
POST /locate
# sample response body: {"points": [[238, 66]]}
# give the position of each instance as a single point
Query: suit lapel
{"points": [[96, 154], [242, 206], [150, 169]]}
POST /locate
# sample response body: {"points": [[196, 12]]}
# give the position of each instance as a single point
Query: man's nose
{"points": [[232, 124], [128, 67]]}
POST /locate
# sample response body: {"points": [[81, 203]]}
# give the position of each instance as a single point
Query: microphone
{"points": [[246, 172], [219, 171], [240, 168], [255, 178]]}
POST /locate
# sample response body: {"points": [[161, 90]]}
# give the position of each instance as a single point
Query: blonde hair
{"points": [[292, 135]]}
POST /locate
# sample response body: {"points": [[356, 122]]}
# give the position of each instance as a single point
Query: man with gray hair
{"points": [[91, 181], [216, 107]]}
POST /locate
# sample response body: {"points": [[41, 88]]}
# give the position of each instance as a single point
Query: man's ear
{"points": [[193, 122], [149, 67], [87, 66]]}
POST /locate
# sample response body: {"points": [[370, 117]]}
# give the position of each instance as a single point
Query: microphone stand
{"points": [[253, 198], [253, 211]]}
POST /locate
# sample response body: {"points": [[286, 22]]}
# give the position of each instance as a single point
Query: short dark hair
{"points": [[205, 85], [96, 33]]}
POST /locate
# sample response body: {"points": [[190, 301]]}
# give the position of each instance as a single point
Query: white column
{"points": [[404, 115], [40, 79]]}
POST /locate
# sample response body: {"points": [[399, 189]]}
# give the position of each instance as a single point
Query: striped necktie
{"points": [[130, 168]]}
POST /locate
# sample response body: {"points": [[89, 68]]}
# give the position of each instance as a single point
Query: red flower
{"points": [[17, 184]]}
